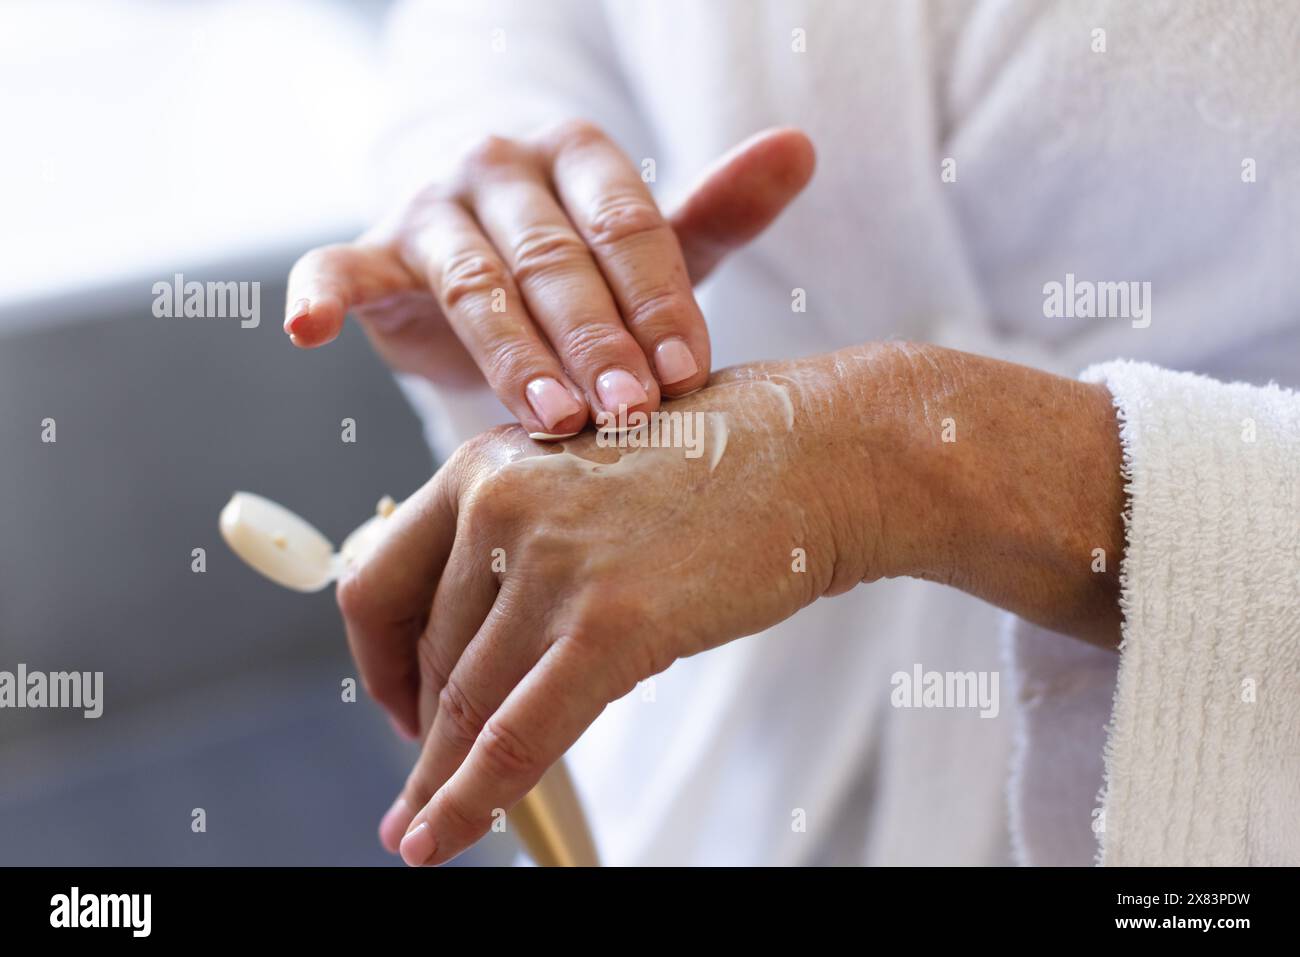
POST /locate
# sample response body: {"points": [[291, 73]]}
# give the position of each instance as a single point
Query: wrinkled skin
{"points": [[543, 268], [522, 588]]}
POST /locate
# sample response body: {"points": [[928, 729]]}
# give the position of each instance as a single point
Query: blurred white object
{"points": [[289, 550], [143, 136]]}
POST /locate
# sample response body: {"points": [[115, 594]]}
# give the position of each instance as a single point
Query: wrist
{"points": [[997, 479], [857, 421]]}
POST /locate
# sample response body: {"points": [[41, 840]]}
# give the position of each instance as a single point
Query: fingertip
{"points": [[550, 436], [568, 427], [418, 845], [619, 392], [393, 826], [404, 729], [293, 315], [680, 390], [784, 156], [315, 322], [801, 154], [558, 411], [680, 373]]}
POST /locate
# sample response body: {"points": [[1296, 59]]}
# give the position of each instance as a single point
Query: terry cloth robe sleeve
{"points": [[1201, 756]]}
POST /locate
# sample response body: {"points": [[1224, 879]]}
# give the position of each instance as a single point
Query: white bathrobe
{"points": [[970, 153]]}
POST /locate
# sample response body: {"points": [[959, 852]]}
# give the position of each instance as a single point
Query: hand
{"points": [[560, 583], [519, 592], [545, 267]]}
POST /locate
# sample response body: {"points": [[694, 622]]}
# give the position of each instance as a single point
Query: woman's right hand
{"points": [[544, 267]]}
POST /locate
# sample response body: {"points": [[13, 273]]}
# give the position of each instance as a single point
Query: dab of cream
{"points": [[638, 457], [718, 438], [566, 460], [783, 397], [289, 550]]}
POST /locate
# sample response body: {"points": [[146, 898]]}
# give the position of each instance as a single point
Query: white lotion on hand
{"points": [[289, 550]]}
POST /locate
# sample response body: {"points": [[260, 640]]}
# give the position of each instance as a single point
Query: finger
{"points": [[385, 598], [330, 281], [741, 195], [541, 718], [483, 306], [637, 251], [564, 290], [465, 596], [485, 669], [409, 332]]}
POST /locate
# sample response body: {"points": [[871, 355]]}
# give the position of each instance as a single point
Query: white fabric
{"points": [[1203, 749], [1114, 166]]}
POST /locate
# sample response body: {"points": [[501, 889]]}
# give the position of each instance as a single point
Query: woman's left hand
{"points": [[523, 588]]}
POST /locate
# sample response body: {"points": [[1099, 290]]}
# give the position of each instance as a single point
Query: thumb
{"points": [[741, 195]]}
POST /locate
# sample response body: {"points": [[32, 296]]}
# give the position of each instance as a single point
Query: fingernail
{"points": [[550, 436], [418, 845], [551, 402], [394, 825], [300, 309], [618, 387], [674, 362]]}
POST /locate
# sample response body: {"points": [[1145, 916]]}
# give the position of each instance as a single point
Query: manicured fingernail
{"points": [[394, 825], [300, 309], [551, 402], [674, 362], [618, 387], [550, 436], [418, 845]]}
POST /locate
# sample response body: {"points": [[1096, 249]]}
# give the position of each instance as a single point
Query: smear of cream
{"points": [[718, 438], [783, 397], [642, 457], [563, 459]]}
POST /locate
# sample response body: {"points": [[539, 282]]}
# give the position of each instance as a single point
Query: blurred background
{"points": [[218, 140]]}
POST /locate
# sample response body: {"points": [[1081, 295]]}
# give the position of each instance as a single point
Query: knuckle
{"points": [[574, 133], [476, 459], [490, 152], [636, 661], [433, 671], [495, 506], [654, 306], [622, 219], [544, 251], [505, 752], [593, 343], [507, 362], [461, 818], [428, 197], [470, 276], [598, 633], [461, 720]]}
